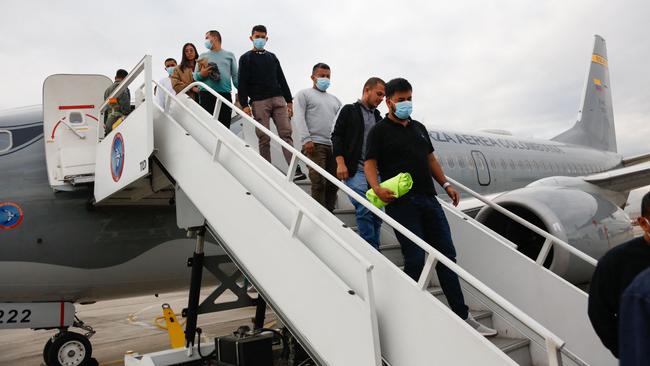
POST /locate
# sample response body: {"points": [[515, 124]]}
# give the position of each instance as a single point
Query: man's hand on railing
{"points": [[248, 111], [453, 194]]}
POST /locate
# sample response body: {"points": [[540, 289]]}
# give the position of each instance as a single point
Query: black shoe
{"points": [[299, 175]]}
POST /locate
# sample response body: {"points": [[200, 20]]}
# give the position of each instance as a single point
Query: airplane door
{"points": [[482, 168]]}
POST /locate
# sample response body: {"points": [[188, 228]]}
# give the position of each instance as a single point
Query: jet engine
{"points": [[585, 220]]}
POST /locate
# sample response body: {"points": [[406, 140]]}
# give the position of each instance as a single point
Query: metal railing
{"points": [[368, 293], [301, 210], [550, 241], [553, 343]]}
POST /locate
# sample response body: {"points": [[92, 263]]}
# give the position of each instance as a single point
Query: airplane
{"points": [[57, 247]]}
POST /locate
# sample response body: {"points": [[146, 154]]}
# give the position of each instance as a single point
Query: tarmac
{"points": [[123, 325]]}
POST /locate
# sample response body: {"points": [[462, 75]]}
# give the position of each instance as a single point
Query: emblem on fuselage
{"points": [[117, 157], [11, 215]]}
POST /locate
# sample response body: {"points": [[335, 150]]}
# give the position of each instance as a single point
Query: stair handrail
{"points": [[554, 344], [551, 239], [302, 211], [367, 267]]}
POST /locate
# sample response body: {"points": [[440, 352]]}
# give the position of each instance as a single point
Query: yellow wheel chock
{"points": [[172, 326]]}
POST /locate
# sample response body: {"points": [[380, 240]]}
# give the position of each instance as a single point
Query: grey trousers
{"points": [[275, 108]]}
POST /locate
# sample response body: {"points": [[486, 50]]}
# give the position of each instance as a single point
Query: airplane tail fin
{"points": [[595, 126]]}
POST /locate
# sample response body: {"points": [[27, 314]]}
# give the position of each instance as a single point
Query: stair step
{"points": [[509, 344], [516, 348]]}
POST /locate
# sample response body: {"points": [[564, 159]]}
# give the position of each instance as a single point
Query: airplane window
{"points": [[504, 166], [461, 162], [512, 164], [528, 165], [450, 161], [520, 164], [5, 140], [493, 164], [471, 166], [76, 117], [535, 165], [441, 160]]}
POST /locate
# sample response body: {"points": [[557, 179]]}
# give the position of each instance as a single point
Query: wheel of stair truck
{"points": [[68, 349], [46, 349]]}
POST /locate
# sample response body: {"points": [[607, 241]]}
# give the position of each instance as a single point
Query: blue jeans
{"points": [[369, 224], [424, 217]]}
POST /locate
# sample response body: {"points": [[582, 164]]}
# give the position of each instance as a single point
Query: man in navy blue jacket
{"points": [[634, 327], [614, 273]]}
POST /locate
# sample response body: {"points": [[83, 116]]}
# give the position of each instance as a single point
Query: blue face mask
{"points": [[322, 83], [170, 70], [259, 43], [403, 109], [208, 44]]}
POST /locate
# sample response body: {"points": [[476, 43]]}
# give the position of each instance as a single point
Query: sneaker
{"points": [[482, 329], [299, 175]]}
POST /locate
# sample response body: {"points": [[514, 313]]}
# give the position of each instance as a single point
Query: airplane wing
{"points": [[634, 160], [622, 179]]}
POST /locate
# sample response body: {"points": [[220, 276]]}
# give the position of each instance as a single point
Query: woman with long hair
{"points": [[182, 75]]}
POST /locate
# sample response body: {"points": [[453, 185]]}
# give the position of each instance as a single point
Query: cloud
{"points": [[478, 64]]}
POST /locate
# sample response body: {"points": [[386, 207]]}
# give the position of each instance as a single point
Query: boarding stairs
{"points": [[346, 303]]}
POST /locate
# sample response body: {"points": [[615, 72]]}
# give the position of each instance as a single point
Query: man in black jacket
{"points": [[614, 273], [348, 143], [262, 80]]}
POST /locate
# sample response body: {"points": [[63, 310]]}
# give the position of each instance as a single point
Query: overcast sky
{"points": [[514, 65]]}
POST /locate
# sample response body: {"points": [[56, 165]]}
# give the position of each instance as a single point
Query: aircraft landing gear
{"points": [[69, 348]]}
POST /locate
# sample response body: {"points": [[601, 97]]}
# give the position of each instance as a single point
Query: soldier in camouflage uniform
{"points": [[121, 107]]}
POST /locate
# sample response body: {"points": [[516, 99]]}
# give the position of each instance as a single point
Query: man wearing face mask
{"points": [[225, 62], [614, 273], [314, 114], [349, 136], [166, 82], [399, 144], [264, 92]]}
